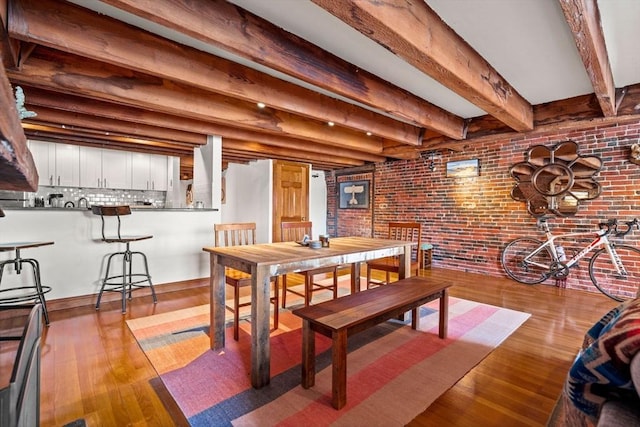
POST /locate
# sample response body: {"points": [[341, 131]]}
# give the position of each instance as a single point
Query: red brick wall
{"points": [[469, 220], [350, 222]]}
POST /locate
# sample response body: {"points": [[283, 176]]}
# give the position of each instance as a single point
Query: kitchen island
{"points": [[74, 265]]}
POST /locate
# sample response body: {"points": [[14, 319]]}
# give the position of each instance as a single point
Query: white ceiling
{"points": [[527, 41]]}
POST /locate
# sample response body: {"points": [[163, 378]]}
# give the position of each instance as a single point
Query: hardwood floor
{"points": [[92, 367]]}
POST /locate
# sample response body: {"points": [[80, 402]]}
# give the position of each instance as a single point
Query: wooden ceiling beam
{"points": [[222, 24], [414, 32], [562, 116], [55, 24], [17, 170], [114, 127], [583, 17], [78, 105], [243, 156], [297, 145], [96, 142], [62, 72], [283, 153], [83, 135]]}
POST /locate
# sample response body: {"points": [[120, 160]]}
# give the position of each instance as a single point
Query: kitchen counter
{"points": [[74, 264], [133, 208]]}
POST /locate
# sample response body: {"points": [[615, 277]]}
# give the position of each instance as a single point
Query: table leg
{"points": [[217, 306], [308, 355], [444, 313], [339, 369], [260, 344], [404, 271], [405, 263], [355, 277]]}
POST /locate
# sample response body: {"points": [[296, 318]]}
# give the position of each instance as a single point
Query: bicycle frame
{"points": [[601, 238]]}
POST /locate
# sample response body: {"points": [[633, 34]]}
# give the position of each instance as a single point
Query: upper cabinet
{"points": [[100, 168], [149, 172], [94, 167], [57, 164]]}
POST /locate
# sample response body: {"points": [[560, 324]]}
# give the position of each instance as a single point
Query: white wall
{"points": [[318, 203], [249, 198], [207, 172], [74, 265]]}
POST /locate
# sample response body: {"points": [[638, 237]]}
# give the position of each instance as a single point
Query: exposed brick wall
{"points": [[351, 222], [469, 220]]}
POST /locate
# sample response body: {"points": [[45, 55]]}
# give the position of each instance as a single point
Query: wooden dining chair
{"points": [[294, 231], [407, 231], [236, 234]]}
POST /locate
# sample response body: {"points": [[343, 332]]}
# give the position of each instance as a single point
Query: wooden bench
{"points": [[345, 316]]}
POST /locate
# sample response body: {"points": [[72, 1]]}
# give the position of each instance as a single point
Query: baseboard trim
{"points": [[83, 300]]}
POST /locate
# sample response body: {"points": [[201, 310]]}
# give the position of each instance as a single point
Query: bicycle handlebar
{"points": [[630, 225], [612, 226]]}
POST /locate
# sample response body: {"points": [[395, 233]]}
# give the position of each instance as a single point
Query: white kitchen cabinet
{"points": [[116, 169], [44, 159], [102, 168], [90, 167], [158, 172], [140, 171], [57, 164], [67, 165], [149, 172]]}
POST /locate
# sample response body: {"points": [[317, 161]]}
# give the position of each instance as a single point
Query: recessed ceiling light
{"points": [[330, 123], [261, 105]]}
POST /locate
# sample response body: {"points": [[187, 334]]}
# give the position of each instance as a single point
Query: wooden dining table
{"points": [[264, 261]]}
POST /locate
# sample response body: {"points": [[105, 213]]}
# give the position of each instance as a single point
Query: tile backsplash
{"points": [[94, 196]]}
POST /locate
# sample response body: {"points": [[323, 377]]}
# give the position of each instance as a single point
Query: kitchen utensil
{"points": [[55, 200]]}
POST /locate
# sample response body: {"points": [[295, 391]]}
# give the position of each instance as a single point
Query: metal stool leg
{"points": [[35, 265], [126, 259], [146, 270], [125, 281], [105, 281], [38, 295]]}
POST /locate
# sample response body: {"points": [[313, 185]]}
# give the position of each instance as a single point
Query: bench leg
{"points": [[339, 373], [444, 313], [415, 318], [308, 355]]}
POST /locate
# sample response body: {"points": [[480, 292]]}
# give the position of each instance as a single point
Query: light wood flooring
{"points": [[92, 367]]}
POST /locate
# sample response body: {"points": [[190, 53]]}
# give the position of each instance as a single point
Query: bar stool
{"points": [[32, 293], [128, 281]]}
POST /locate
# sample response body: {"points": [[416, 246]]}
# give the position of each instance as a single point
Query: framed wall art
{"points": [[354, 195], [463, 168]]}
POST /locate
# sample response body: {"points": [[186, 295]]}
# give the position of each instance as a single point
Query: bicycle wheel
{"points": [[605, 277], [535, 269]]}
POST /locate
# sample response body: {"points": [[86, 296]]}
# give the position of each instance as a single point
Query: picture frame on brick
{"points": [[354, 194], [463, 168]]}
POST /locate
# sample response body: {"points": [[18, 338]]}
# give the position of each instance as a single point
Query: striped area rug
{"points": [[394, 372]]}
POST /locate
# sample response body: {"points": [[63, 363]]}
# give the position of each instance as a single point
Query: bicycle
{"points": [[614, 269]]}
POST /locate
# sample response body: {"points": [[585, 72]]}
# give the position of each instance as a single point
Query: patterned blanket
{"points": [[601, 369]]}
